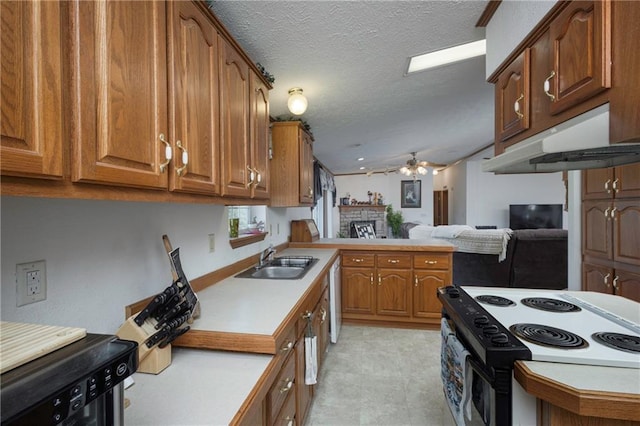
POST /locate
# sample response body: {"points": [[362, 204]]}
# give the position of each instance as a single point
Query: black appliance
{"points": [[535, 216], [78, 384], [492, 353]]}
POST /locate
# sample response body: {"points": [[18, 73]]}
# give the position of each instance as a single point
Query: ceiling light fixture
{"points": [[448, 56], [297, 103], [415, 167]]}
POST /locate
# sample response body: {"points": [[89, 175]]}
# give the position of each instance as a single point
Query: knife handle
{"points": [[173, 336]]}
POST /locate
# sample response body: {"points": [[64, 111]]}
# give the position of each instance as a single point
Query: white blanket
{"points": [[468, 239], [449, 231]]}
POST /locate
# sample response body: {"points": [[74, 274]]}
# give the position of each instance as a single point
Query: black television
{"points": [[535, 216]]}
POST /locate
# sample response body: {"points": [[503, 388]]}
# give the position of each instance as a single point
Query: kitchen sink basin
{"points": [[281, 268]]}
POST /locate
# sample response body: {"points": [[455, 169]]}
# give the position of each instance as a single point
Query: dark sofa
{"points": [[536, 258]]}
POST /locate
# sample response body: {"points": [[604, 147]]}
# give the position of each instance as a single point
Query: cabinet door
{"points": [[627, 284], [358, 291], [306, 168], [193, 53], [627, 181], [626, 231], [234, 91], [119, 101], [597, 278], [425, 285], [597, 183], [31, 132], [394, 292], [260, 137], [597, 229], [512, 98], [581, 37]]}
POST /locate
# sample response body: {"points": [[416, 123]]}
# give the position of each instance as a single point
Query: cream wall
{"points": [[389, 185], [103, 255]]}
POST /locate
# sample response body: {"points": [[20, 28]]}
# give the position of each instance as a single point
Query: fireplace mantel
{"points": [[364, 206]]}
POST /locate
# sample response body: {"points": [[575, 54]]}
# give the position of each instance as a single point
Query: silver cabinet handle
{"points": [[547, 86], [431, 262], [251, 176], [168, 153], [606, 280], [287, 347], [393, 261], [357, 260], [615, 185], [287, 386], [606, 186], [606, 212], [615, 284], [371, 277], [613, 213], [185, 158], [323, 315], [516, 106], [415, 281], [379, 279]]}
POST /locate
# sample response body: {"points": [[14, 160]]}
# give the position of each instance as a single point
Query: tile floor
{"points": [[381, 376]]}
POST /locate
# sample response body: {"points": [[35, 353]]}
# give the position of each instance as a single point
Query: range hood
{"points": [[579, 143]]}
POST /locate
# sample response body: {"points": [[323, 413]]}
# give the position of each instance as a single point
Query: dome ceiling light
{"points": [[415, 167], [297, 102]]}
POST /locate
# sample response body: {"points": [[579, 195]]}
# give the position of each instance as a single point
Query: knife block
{"points": [[150, 360]]}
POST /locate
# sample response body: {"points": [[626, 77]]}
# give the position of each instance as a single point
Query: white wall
{"points": [[389, 186], [454, 180], [103, 255]]}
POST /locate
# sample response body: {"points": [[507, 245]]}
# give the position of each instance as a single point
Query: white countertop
{"points": [[256, 306], [199, 387], [208, 386]]}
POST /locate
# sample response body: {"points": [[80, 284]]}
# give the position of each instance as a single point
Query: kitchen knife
{"points": [[156, 302], [180, 308], [162, 310]]}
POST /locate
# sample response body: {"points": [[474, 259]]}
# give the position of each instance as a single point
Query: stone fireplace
{"points": [[364, 213]]}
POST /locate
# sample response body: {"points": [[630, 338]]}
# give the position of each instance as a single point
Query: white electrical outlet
{"points": [[212, 243], [31, 282]]}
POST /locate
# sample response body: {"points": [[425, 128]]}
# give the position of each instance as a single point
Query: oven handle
{"points": [[478, 369]]}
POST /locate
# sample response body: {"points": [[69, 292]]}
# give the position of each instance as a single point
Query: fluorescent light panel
{"points": [[447, 56]]}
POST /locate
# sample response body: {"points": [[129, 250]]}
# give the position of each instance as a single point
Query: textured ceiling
{"points": [[350, 57]]}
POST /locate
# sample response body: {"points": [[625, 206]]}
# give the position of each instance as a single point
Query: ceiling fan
{"points": [[415, 167]]}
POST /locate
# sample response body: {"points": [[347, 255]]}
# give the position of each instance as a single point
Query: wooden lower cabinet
{"points": [[393, 287], [604, 279]]}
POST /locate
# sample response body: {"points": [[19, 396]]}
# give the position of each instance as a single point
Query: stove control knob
{"points": [[500, 339], [490, 330], [481, 321], [453, 292]]}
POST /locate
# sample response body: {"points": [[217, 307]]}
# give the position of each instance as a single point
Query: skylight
{"points": [[447, 56]]}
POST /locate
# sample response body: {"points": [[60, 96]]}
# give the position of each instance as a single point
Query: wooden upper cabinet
{"points": [[291, 165], [581, 38], [119, 71], [626, 183], [193, 99], [260, 137], [31, 126], [512, 98], [597, 183], [597, 229], [234, 104]]}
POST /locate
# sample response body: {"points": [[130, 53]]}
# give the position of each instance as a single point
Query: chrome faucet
{"points": [[266, 253]]}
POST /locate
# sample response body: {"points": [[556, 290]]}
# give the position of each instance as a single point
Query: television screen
{"points": [[535, 216]]}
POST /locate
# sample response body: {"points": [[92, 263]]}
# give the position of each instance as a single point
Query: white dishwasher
{"points": [[335, 307]]}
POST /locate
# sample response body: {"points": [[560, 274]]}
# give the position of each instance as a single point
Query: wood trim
{"points": [[219, 340], [371, 245], [26, 187], [488, 12], [426, 325], [246, 240], [621, 406]]}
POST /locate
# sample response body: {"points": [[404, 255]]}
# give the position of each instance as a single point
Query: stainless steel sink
{"points": [[281, 268]]}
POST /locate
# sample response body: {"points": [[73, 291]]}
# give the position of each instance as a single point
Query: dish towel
{"points": [[456, 375], [310, 355]]}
